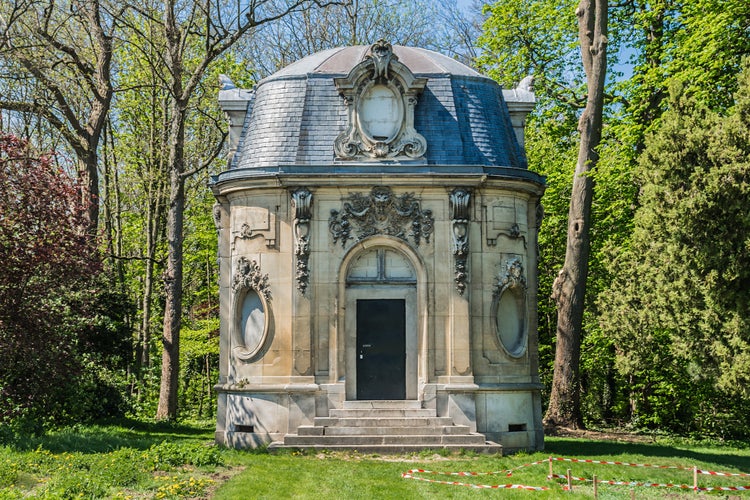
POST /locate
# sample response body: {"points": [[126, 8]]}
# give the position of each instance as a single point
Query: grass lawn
{"points": [[142, 461], [339, 475]]}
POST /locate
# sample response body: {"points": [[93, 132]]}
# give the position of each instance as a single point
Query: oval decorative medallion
{"points": [[509, 308], [380, 113], [250, 323], [510, 320]]}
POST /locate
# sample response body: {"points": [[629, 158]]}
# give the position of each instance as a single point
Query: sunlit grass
{"points": [[139, 460]]}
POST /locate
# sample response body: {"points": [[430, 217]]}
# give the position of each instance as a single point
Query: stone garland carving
{"points": [[248, 276], [459, 210], [381, 212], [380, 77], [301, 215], [512, 278]]}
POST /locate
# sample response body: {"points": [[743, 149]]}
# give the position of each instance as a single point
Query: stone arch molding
{"points": [[251, 318], [380, 94]]}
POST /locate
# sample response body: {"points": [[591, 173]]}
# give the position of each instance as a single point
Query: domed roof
{"points": [[294, 116], [341, 60]]}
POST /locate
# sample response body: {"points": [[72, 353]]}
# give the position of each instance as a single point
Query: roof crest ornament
{"points": [[381, 53]]}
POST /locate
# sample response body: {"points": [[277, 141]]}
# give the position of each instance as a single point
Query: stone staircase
{"points": [[386, 427]]}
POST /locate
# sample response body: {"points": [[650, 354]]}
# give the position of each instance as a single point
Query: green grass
{"points": [[144, 460], [128, 460], [336, 475]]}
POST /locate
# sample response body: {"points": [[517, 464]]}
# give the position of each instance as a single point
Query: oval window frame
{"points": [[240, 350], [400, 110], [518, 292]]}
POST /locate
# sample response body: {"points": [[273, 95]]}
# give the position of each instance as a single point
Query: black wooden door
{"points": [[381, 349]]}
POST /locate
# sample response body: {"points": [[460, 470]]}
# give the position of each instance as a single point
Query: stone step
{"points": [[404, 404], [311, 430], [381, 412], [383, 422], [385, 449], [370, 440]]}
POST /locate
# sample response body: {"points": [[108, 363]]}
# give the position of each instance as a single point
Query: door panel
{"points": [[381, 349]]}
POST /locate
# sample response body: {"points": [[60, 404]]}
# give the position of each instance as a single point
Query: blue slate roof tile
{"points": [[296, 114]]}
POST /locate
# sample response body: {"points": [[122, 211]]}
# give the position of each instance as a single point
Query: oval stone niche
{"points": [[252, 329], [510, 320], [380, 113]]}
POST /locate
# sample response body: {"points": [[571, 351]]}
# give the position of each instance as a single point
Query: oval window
{"points": [[252, 325], [380, 113], [510, 320]]}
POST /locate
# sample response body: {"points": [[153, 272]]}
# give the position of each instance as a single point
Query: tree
{"points": [[678, 308], [569, 289], [194, 36], [61, 53], [440, 26], [59, 326]]}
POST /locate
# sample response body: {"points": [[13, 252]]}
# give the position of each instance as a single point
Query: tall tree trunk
{"points": [[569, 288], [170, 366]]}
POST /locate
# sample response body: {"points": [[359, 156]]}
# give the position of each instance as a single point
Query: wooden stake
{"points": [[596, 487], [570, 481], [695, 478], [549, 478], [632, 493]]}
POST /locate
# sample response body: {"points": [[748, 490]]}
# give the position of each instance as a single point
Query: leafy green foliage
{"points": [[167, 455], [60, 325], [678, 310], [698, 45]]}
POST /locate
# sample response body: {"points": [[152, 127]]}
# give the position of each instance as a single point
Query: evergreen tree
{"points": [[678, 310]]}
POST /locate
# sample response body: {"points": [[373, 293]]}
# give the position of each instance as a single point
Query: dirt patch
{"points": [[617, 436]]}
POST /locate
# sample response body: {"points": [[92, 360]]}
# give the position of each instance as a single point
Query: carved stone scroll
{"points": [[301, 215], [381, 212], [248, 276], [459, 211]]}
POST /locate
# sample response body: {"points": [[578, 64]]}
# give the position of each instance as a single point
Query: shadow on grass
{"points": [[668, 454], [109, 436]]}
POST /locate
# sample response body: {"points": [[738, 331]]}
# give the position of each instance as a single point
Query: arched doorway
{"points": [[381, 325]]}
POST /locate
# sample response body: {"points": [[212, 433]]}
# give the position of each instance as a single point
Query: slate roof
{"points": [[295, 114]]}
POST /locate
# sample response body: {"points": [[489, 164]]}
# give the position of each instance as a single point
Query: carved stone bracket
{"points": [[301, 215], [380, 94], [513, 277], [248, 276], [459, 212], [381, 212]]}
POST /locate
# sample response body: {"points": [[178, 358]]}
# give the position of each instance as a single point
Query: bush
{"points": [[62, 328]]}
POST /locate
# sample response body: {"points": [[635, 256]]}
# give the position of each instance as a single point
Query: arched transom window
{"points": [[381, 266]]}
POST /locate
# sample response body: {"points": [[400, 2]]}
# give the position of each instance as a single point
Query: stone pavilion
{"points": [[378, 251]]}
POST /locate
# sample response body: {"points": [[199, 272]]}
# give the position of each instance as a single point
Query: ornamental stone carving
{"points": [[459, 211], [381, 212], [512, 278], [380, 94], [301, 215], [249, 277]]}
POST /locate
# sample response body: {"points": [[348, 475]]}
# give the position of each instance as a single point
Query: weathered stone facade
{"points": [[379, 190]]}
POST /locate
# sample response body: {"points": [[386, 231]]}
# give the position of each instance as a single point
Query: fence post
{"points": [[596, 487], [695, 478]]}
